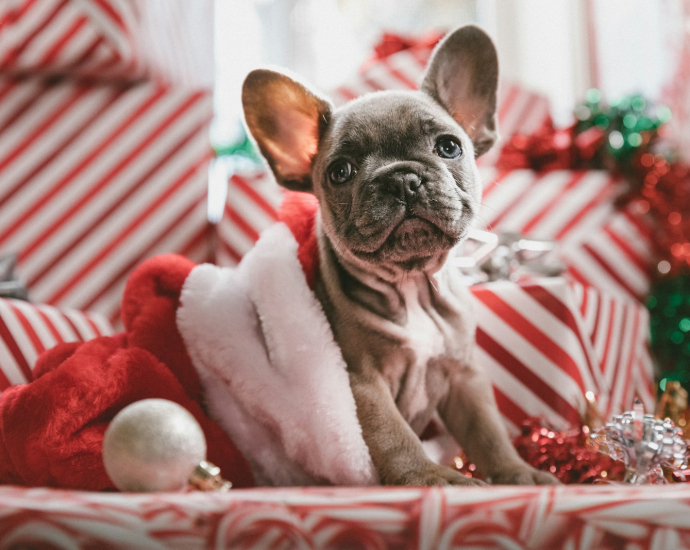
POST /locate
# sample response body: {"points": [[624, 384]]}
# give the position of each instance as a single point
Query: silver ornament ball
{"points": [[153, 445]]}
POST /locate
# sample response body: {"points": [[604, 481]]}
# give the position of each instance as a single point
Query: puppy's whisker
{"points": [[488, 206], [431, 282]]}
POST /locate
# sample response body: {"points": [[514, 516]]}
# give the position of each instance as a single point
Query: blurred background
{"points": [[559, 48]]}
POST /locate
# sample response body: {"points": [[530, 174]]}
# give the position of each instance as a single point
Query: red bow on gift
{"points": [[550, 148], [391, 43]]}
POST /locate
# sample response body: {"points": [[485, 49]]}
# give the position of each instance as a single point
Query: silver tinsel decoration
{"points": [[486, 256], [644, 444], [10, 285]]}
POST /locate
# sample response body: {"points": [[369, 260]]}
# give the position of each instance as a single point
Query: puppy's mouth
{"points": [[412, 243]]}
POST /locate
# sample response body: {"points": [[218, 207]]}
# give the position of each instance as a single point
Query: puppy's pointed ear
{"points": [[463, 77], [287, 120]]}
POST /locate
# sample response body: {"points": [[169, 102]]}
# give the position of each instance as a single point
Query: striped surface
{"points": [[251, 207], [27, 329], [655, 517], [88, 37], [546, 343], [619, 333], [95, 178], [519, 111], [601, 245]]}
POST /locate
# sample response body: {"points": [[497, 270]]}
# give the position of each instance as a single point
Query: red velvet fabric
{"points": [[51, 430], [298, 212]]}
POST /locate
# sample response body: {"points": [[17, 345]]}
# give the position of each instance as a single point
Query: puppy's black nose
{"points": [[402, 185]]}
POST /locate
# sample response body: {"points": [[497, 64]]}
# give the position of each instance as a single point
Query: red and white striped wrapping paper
{"points": [[540, 518], [94, 178], [547, 342], [601, 245], [169, 40], [251, 206], [85, 37], [26, 330], [519, 110]]}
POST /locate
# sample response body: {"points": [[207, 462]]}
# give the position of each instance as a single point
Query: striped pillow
{"points": [[27, 329]]}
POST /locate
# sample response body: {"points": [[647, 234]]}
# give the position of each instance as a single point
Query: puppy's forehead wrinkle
{"points": [[393, 124]]}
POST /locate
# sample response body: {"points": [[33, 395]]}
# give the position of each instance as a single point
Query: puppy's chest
{"points": [[419, 380]]}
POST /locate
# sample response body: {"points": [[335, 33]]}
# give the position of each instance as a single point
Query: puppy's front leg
{"points": [[395, 449], [471, 415]]}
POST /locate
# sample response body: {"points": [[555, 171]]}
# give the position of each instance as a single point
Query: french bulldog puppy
{"points": [[398, 187]]}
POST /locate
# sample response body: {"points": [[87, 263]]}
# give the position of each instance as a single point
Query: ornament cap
{"points": [[206, 477]]}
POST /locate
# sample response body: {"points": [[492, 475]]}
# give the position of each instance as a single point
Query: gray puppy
{"points": [[398, 187]]}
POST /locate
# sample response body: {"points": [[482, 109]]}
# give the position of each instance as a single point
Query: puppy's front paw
{"points": [[523, 474], [437, 475]]}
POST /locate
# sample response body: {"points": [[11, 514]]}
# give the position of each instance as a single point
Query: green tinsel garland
{"points": [[669, 308]]}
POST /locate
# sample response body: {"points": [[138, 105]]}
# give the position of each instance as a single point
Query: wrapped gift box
{"points": [[539, 518], [87, 38], [601, 244], [251, 206], [94, 178], [26, 330], [546, 342]]}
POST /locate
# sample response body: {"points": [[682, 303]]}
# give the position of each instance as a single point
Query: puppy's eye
{"points": [[448, 148], [341, 171]]}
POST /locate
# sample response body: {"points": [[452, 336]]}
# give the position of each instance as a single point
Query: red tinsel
{"points": [[567, 455], [550, 148], [657, 188], [664, 193]]}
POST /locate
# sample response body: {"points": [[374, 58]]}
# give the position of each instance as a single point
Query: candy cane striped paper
{"points": [[26, 330], [85, 37], [94, 178], [546, 343], [251, 206], [618, 331], [602, 246], [519, 110], [540, 518]]}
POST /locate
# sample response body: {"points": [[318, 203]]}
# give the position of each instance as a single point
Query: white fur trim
{"points": [[273, 376]]}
